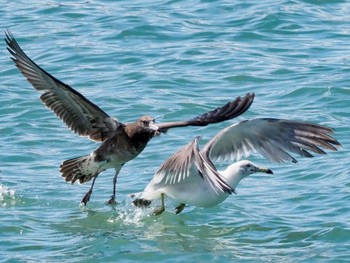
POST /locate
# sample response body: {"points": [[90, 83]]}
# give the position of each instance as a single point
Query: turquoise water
{"points": [[173, 60]]}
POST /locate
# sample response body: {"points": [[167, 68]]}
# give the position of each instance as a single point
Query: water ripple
{"points": [[175, 59]]}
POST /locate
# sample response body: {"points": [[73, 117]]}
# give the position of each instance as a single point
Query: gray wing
{"points": [[189, 162], [274, 139], [230, 110], [78, 113]]}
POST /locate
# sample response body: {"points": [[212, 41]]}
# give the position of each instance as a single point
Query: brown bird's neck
{"points": [[138, 136]]}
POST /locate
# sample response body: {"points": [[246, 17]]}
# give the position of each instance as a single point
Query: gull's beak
{"points": [[265, 170]]}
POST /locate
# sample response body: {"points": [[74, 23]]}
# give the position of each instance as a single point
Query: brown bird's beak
{"points": [[155, 128]]}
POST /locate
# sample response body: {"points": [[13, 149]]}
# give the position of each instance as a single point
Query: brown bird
{"points": [[120, 142]]}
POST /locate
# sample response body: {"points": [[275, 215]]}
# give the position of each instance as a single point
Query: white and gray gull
{"points": [[120, 142], [190, 177]]}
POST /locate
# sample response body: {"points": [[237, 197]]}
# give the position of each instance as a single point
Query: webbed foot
{"points": [[180, 208], [111, 201], [86, 197], [158, 211]]}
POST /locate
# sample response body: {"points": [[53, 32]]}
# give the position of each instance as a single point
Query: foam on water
{"points": [[135, 217], [7, 196]]}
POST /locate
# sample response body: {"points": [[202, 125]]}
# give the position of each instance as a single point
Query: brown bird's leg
{"points": [[112, 201], [86, 197]]}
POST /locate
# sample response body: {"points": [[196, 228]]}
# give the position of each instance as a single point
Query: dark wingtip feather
{"points": [[228, 111]]}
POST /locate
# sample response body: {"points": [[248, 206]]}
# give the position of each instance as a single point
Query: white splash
{"points": [[131, 216], [7, 196]]}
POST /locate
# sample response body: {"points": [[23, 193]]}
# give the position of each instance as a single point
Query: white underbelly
{"points": [[194, 194]]}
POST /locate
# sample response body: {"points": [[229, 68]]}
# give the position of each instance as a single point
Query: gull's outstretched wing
{"points": [[189, 164], [78, 113], [274, 139], [228, 111]]}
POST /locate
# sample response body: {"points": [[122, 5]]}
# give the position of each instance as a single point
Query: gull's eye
{"points": [[248, 165]]}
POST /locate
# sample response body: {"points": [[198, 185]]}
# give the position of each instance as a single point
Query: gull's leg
{"points": [[112, 201], [86, 197], [179, 208], [161, 208]]}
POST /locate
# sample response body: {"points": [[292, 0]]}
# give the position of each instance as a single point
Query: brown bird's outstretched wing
{"points": [[229, 111], [78, 113], [87, 119]]}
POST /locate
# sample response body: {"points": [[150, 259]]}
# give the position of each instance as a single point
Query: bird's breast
{"points": [[195, 194]]}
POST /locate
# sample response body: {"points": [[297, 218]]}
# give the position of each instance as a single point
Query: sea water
{"points": [[174, 60]]}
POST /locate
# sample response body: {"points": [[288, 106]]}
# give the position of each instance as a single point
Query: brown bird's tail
{"points": [[81, 168]]}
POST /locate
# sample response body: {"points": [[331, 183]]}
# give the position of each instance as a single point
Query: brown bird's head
{"points": [[146, 124]]}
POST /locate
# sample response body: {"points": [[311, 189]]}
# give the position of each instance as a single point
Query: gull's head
{"points": [[247, 168], [234, 173]]}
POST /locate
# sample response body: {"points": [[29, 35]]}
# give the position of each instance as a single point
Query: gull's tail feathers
{"points": [[140, 202]]}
